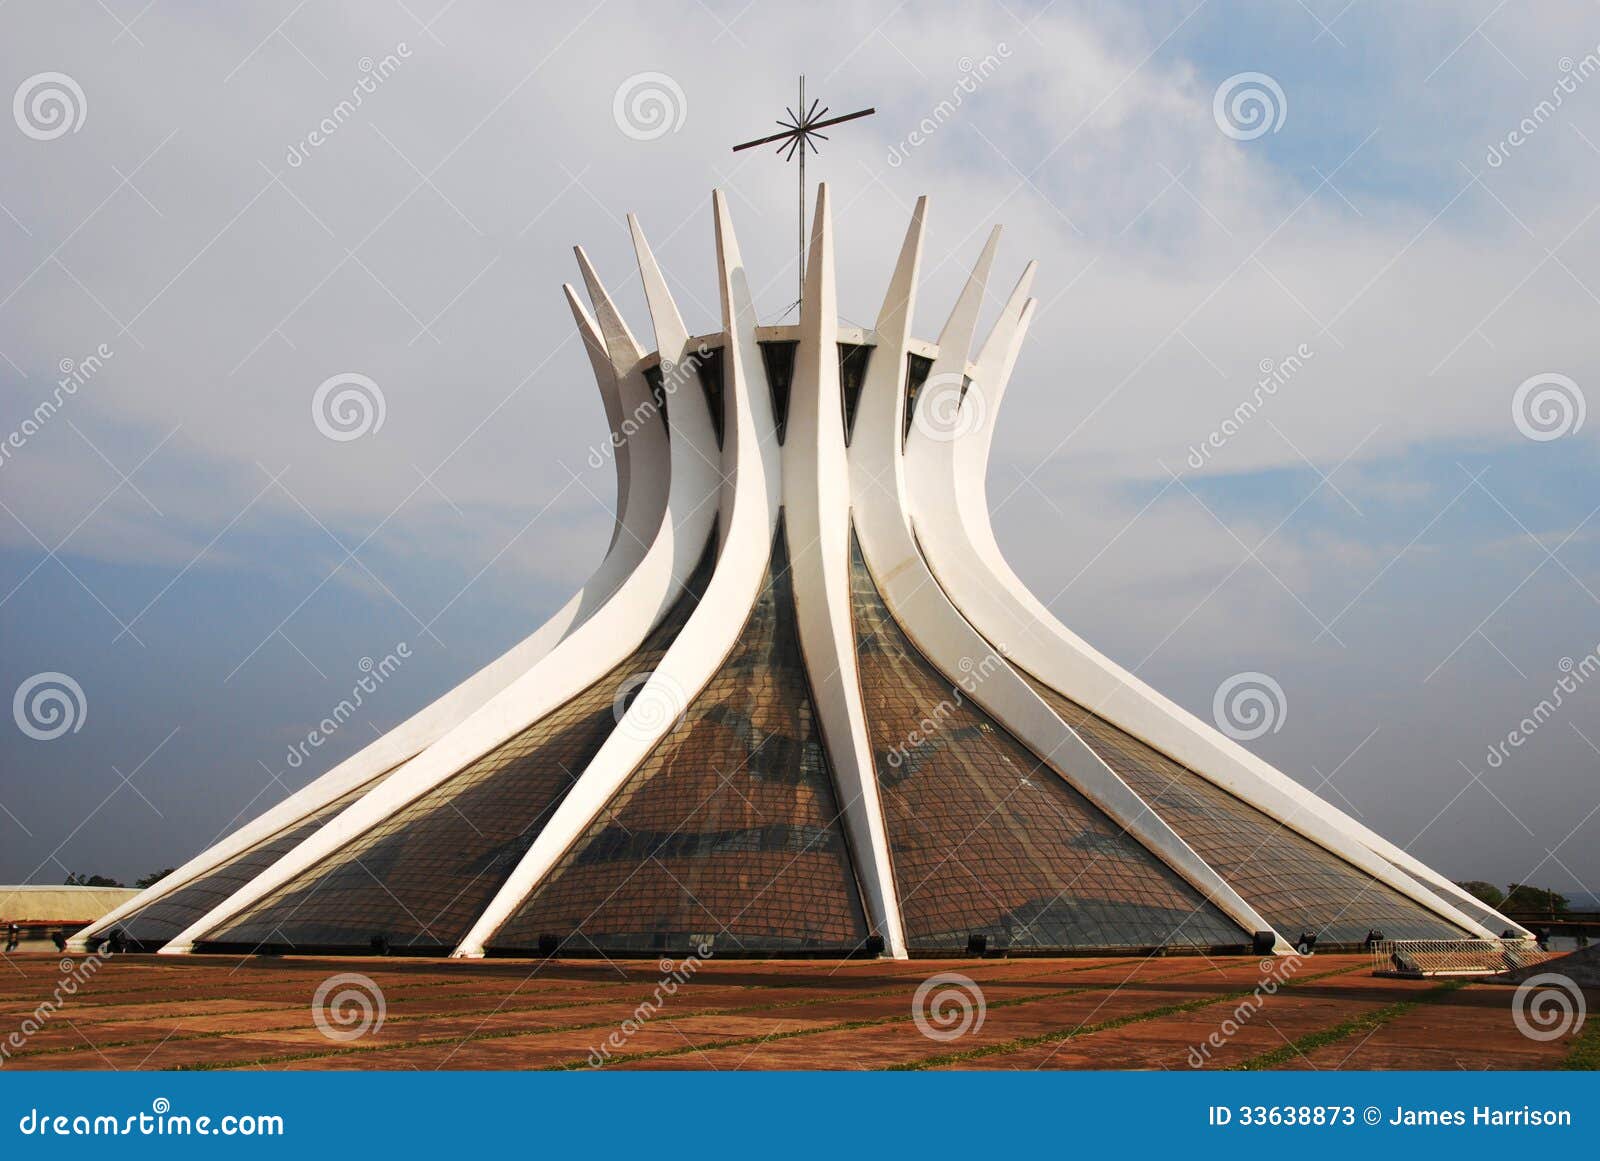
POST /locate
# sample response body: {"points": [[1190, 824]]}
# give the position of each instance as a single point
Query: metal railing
{"points": [[1415, 959]]}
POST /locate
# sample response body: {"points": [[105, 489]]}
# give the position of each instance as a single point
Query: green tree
{"points": [[153, 878], [75, 880], [1484, 892], [1538, 900]]}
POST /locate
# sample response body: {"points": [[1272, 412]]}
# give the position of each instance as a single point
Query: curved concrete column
{"points": [[926, 615], [434, 721], [948, 467], [918, 504], [673, 490], [816, 503], [750, 498]]}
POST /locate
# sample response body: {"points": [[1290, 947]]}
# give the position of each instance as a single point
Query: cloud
{"points": [[423, 242]]}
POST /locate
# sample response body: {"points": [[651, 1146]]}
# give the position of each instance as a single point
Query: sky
{"points": [[1395, 202]]}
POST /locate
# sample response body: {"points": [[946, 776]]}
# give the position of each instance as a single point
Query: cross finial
{"points": [[800, 133]]}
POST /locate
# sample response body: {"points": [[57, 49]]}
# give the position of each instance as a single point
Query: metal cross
{"points": [[799, 132]]}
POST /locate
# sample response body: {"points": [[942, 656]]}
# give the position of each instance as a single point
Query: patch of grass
{"points": [[582, 1062], [883, 1021], [1368, 1023], [1584, 1055], [1063, 1034]]}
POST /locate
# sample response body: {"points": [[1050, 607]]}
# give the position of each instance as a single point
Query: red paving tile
{"points": [[154, 1013]]}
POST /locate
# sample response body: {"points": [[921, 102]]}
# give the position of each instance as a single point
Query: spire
{"points": [[900, 596], [671, 335], [955, 340], [624, 349]]}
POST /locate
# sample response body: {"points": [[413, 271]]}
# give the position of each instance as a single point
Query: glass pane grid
{"points": [[172, 914], [421, 876], [985, 839], [1295, 884], [729, 832]]}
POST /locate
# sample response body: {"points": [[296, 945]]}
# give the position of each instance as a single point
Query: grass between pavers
{"points": [[1370, 1022], [217, 1034], [299, 1002], [67, 1049], [883, 1021], [512, 1033], [1584, 1055], [1065, 1034], [96, 999]]}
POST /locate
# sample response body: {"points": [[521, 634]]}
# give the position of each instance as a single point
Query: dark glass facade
{"points": [[777, 357], [853, 359], [918, 368], [422, 876], [155, 924], [1295, 884], [730, 832], [987, 840]]}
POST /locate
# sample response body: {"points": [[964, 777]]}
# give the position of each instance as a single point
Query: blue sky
{"points": [[1378, 537]]}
